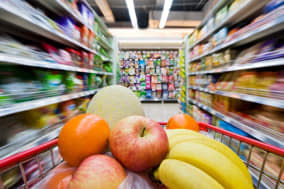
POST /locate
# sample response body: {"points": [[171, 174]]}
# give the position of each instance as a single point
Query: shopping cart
{"points": [[33, 165]]}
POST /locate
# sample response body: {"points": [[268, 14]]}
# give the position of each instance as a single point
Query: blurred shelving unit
{"points": [[25, 21], [207, 41]]}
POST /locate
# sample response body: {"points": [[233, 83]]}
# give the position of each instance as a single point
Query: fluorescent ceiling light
{"points": [[165, 13], [132, 14]]}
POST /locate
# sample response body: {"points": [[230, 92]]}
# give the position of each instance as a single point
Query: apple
{"points": [[98, 172], [139, 143]]}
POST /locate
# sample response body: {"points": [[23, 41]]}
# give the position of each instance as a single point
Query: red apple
{"points": [[139, 143], [98, 172]]}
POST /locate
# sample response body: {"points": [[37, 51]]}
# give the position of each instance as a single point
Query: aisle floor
{"points": [[159, 111]]}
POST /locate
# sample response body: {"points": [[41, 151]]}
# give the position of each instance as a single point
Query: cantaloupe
{"points": [[114, 103]]}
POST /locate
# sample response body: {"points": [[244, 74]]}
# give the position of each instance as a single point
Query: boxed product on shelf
{"points": [[221, 15]]}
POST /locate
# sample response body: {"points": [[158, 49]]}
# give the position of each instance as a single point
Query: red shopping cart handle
{"points": [[14, 159], [262, 145]]}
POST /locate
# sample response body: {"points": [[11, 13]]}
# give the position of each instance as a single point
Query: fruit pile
{"points": [[139, 149]]}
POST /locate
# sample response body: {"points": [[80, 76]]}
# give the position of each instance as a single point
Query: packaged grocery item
{"points": [[90, 18], [248, 54], [91, 37], [221, 15], [84, 35], [272, 5], [165, 94], [91, 60], [77, 33], [235, 6], [85, 59], [229, 55], [83, 9], [68, 108], [41, 117], [148, 93], [65, 57]]}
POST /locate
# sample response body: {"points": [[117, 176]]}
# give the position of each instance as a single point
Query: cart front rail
{"points": [[26, 168]]}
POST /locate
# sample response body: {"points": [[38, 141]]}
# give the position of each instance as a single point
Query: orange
{"points": [[82, 136], [60, 177], [182, 121]]}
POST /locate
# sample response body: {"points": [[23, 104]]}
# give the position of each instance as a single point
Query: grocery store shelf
{"points": [[23, 106], [106, 59], [275, 139], [213, 11], [103, 42], [12, 59], [246, 9], [60, 8], [13, 16], [241, 96], [256, 65], [157, 100], [151, 100], [41, 136], [264, 30]]}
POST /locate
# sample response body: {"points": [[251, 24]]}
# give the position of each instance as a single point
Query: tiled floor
{"points": [[159, 111]]}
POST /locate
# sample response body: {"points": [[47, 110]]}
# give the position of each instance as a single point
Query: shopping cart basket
{"points": [[33, 165]]}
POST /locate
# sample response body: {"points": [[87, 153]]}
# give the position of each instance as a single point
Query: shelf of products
{"points": [[23, 106], [228, 15], [250, 98], [235, 69], [78, 12], [28, 18], [33, 127], [243, 126], [265, 87], [152, 75], [103, 41], [54, 56], [12, 59], [248, 66], [264, 26]]}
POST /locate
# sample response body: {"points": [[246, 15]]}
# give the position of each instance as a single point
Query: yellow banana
{"points": [[174, 132], [156, 174], [214, 163], [226, 151], [180, 138], [177, 174]]}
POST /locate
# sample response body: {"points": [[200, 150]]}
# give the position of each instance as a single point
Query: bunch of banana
{"points": [[198, 162]]}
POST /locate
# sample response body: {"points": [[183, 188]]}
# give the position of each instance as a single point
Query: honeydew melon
{"points": [[114, 103]]}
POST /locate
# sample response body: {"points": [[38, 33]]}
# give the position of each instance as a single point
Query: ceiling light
{"points": [[132, 14], [165, 14]]}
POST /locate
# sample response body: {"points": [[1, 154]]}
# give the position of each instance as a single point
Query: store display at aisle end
{"points": [[153, 75], [61, 57], [182, 98]]}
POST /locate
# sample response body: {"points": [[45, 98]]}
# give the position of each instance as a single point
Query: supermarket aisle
{"points": [[159, 111]]}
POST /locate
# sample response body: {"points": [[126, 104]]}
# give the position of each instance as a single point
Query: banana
{"points": [[185, 136], [175, 132], [226, 151], [214, 163], [156, 174], [177, 174], [180, 138]]}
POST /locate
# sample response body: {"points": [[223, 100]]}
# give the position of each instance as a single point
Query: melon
{"points": [[114, 103]]}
